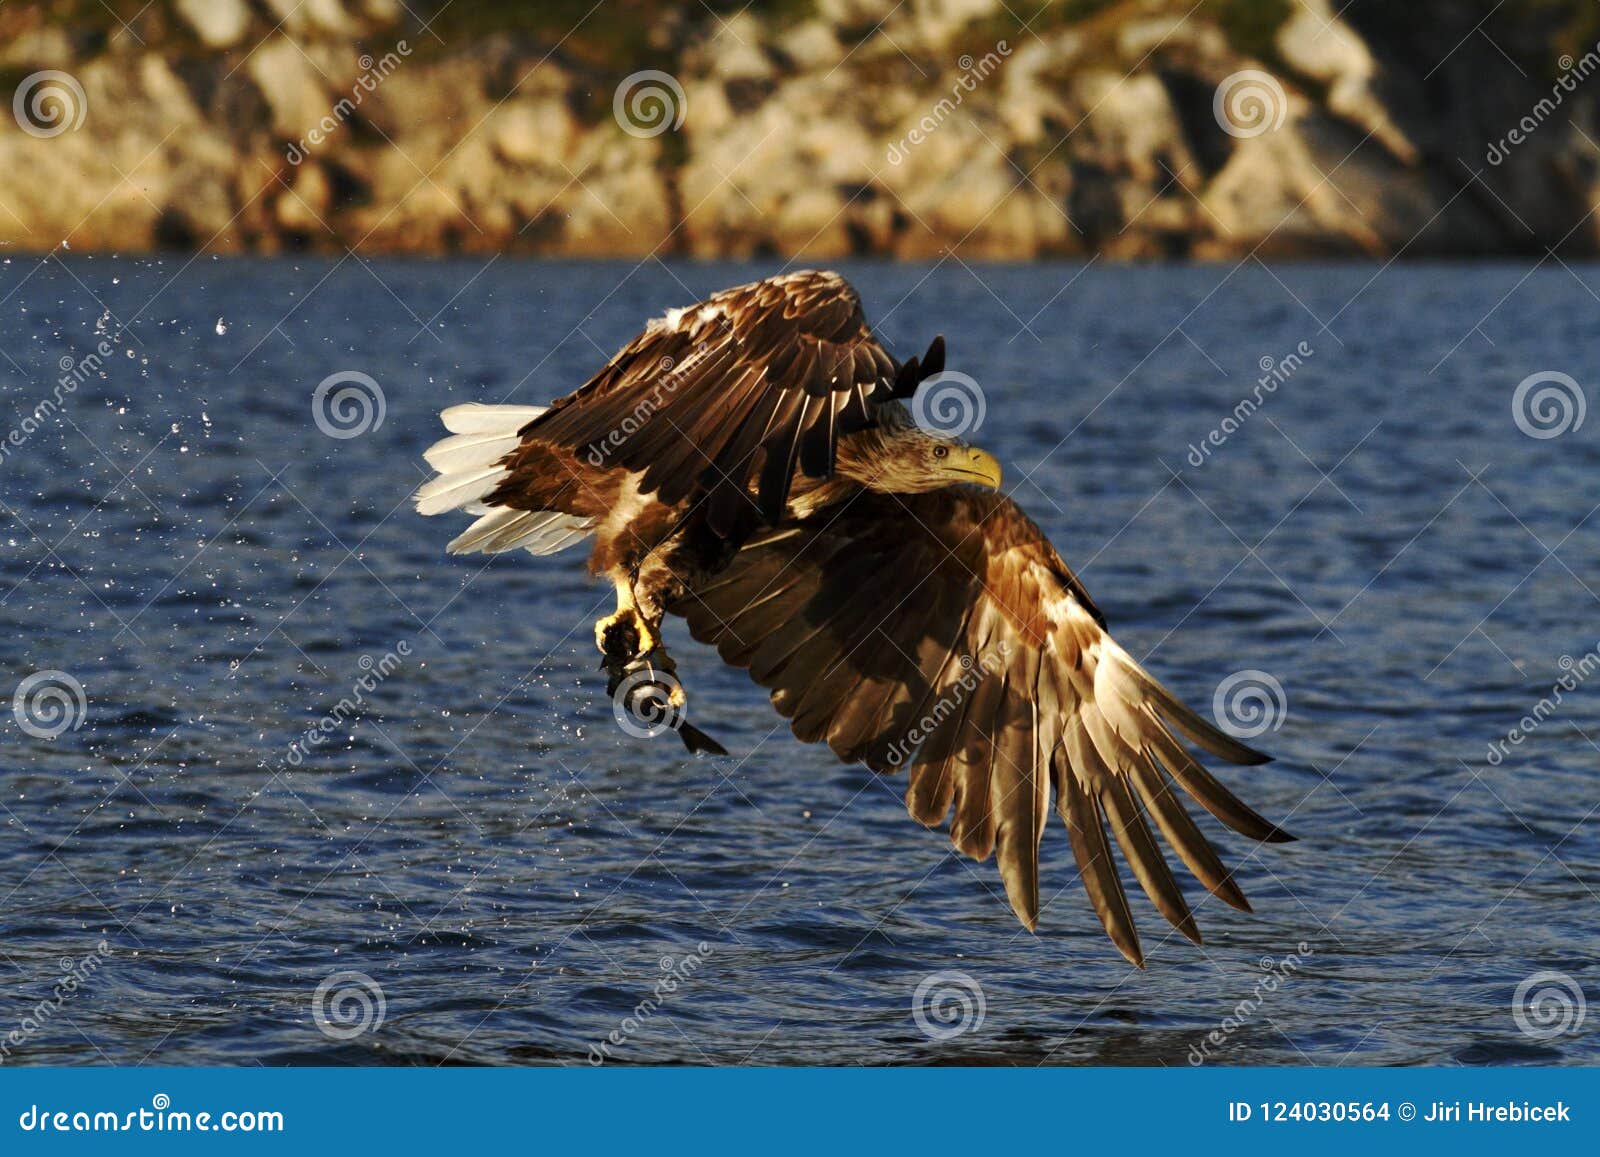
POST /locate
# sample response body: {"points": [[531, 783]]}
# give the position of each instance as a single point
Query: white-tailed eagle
{"points": [[749, 464]]}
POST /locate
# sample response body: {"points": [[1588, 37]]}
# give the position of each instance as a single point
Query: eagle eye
{"points": [[941, 451]]}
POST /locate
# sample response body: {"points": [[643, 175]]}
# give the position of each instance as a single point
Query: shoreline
{"points": [[807, 131]]}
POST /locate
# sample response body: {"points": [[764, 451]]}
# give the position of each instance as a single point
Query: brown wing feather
{"points": [[747, 386], [940, 632]]}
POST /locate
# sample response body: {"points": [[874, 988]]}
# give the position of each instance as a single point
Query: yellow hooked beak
{"points": [[971, 464]]}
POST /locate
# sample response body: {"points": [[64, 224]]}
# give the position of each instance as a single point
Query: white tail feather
{"points": [[475, 418], [450, 491], [581, 530], [529, 529], [488, 525], [464, 451], [470, 468], [537, 531]]}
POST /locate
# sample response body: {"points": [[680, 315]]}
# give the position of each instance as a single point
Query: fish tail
{"points": [[698, 741]]}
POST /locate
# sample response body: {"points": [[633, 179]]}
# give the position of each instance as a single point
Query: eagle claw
{"points": [[624, 636]]}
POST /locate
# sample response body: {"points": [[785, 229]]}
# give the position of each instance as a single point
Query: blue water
{"points": [[516, 874]]}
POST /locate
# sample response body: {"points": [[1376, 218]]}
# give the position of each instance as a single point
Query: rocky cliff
{"points": [[987, 128]]}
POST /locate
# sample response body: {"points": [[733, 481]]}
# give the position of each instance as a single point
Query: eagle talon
{"points": [[624, 636]]}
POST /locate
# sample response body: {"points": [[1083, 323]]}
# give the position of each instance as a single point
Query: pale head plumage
{"points": [[897, 456]]}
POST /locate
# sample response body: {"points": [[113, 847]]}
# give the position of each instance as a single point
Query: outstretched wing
{"points": [[763, 377], [942, 633]]}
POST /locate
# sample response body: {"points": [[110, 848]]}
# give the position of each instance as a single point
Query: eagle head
{"points": [[897, 456]]}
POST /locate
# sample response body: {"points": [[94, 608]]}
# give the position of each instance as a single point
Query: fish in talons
{"points": [[642, 680]]}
